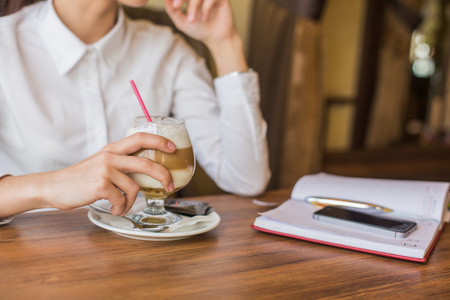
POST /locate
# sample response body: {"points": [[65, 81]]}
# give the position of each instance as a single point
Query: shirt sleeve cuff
{"points": [[237, 88], [7, 219]]}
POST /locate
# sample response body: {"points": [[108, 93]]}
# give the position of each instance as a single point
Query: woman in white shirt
{"points": [[66, 102]]}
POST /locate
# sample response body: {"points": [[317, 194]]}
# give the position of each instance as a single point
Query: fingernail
{"points": [[171, 187], [113, 211], [171, 146], [191, 17]]}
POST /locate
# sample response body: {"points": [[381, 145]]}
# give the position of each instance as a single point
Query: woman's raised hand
{"points": [[204, 20]]}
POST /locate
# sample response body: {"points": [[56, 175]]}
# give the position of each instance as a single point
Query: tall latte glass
{"points": [[181, 164]]}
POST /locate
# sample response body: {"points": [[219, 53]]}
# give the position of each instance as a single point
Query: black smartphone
{"points": [[363, 221]]}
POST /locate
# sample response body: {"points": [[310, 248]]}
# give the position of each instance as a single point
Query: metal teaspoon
{"points": [[136, 224]]}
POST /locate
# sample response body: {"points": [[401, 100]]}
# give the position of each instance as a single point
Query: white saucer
{"points": [[123, 227]]}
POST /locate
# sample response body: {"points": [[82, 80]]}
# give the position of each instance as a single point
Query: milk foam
{"points": [[177, 134]]}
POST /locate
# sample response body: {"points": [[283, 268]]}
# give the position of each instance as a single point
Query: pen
{"points": [[324, 201]]}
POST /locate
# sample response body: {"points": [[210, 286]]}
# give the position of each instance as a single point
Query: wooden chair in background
{"points": [[285, 49]]}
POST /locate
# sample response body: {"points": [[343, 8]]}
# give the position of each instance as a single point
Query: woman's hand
{"points": [[103, 175], [211, 21], [100, 176], [204, 20]]}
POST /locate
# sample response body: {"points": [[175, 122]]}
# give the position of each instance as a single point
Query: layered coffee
{"points": [[180, 163]]}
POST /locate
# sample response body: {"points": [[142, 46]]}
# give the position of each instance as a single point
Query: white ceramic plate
{"points": [[125, 228]]}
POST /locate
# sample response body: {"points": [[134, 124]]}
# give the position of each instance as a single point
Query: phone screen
{"points": [[369, 222]]}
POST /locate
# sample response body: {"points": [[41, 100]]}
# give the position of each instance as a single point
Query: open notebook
{"points": [[424, 202]]}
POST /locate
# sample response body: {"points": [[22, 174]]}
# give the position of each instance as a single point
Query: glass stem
{"points": [[155, 206]]}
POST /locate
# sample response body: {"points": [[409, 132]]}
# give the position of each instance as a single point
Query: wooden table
{"points": [[62, 255]]}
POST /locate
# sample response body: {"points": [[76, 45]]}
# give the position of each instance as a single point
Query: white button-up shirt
{"points": [[62, 100]]}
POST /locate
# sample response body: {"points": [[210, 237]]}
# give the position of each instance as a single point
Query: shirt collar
{"points": [[109, 46], [66, 49]]}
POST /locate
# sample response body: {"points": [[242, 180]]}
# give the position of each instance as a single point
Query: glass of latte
{"points": [[181, 164]]}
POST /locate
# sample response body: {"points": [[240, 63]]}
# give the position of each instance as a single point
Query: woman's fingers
{"points": [[127, 192], [193, 10], [116, 198], [176, 14], [139, 141], [206, 8], [177, 4], [196, 9], [150, 168], [134, 164]]}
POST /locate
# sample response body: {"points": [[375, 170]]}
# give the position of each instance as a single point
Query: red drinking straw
{"points": [[144, 109]]}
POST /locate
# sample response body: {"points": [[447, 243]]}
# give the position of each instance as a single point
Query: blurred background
{"points": [[351, 87]]}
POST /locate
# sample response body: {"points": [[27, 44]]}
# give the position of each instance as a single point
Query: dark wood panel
{"points": [[405, 162]]}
